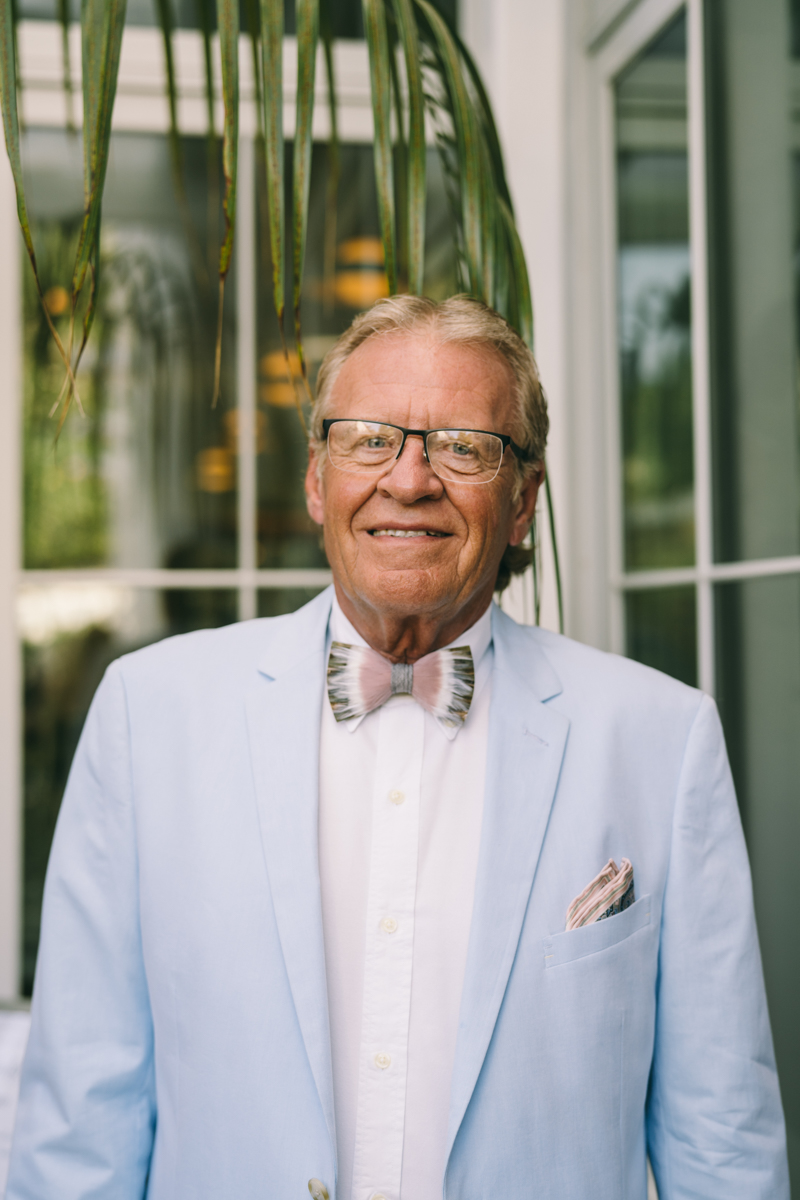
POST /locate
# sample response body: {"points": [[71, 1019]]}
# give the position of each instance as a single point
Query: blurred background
{"points": [[653, 152]]}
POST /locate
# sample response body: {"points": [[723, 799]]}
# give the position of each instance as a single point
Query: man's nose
{"points": [[411, 476]]}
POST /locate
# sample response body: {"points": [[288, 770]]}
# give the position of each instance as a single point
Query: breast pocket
{"points": [[563, 948]]}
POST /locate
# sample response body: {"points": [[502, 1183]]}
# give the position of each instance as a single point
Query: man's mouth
{"points": [[407, 533]]}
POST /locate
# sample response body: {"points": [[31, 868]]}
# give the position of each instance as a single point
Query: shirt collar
{"points": [[478, 637]]}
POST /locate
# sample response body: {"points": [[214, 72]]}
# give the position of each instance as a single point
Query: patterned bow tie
{"points": [[360, 679]]}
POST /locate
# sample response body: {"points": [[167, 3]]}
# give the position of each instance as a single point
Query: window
{"points": [[157, 514]]}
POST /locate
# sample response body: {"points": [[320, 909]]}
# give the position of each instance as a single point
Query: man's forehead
{"points": [[413, 366]]}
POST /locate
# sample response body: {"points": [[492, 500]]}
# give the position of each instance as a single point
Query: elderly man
{"points": [[393, 898]]}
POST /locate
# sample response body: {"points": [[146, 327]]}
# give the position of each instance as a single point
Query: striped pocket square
{"points": [[609, 893]]}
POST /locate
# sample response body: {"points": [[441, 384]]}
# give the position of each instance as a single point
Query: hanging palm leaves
{"points": [[420, 73]]}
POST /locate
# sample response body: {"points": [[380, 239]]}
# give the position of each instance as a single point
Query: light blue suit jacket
{"points": [[180, 1043]]}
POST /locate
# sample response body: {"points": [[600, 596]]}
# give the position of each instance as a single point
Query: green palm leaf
{"points": [[404, 15], [307, 38], [254, 33], [8, 97], [66, 65], [102, 23], [468, 136], [199, 267], [334, 166], [487, 121], [380, 77], [522, 316], [228, 26], [272, 76], [400, 159]]}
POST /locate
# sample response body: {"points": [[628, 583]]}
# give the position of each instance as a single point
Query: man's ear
{"points": [[526, 507], [315, 502]]}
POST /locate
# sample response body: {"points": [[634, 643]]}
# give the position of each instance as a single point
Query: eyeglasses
{"points": [[455, 455]]}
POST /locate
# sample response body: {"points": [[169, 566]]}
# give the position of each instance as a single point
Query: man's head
{"points": [[404, 542]]}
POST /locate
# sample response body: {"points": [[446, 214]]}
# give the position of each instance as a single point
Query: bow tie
{"points": [[360, 679]]}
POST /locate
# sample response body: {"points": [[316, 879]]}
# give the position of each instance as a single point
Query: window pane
{"points": [[343, 275], [148, 478], [754, 225], [654, 305], [70, 634], [661, 630], [758, 669]]}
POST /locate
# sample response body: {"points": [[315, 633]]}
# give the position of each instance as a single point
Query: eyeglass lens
{"points": [[459, 455]]}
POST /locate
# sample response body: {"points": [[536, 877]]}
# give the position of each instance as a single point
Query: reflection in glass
{"points": [[70, 633], [754, 236], [654, 305], [758, 690], [661, 630], [343, 274], [148, 477]]}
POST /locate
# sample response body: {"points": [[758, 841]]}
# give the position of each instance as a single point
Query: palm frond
{"points": [[334, 165], [8, 98], [440, 87], [228, 26], [307, 38], [204, 9], [66, 65], [254, 33], [417, 162], [199, 267], [468, 135], [380, 77], [102, 24], [272, 77]]}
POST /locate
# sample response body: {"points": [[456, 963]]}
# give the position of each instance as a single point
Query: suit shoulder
{"points": [[608, 677], [217, 655]]}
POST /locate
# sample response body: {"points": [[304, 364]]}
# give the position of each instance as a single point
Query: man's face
{"points": [[452, 534]]}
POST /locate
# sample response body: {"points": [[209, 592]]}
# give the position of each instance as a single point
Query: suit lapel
{"points": [[283, 714], [526, 746]]}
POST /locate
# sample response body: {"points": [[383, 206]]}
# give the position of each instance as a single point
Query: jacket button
{"points": [[318, 1190]]}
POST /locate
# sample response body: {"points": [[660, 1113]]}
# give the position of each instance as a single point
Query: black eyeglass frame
{"points": [[521, 454]]}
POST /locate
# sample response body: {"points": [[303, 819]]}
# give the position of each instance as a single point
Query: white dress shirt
{"points": [[401, 803]]}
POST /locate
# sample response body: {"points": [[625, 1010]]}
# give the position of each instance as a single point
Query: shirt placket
{"points": [[388, 953]]}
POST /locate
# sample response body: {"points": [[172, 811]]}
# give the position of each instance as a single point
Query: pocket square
{"points": [[609, 893]]}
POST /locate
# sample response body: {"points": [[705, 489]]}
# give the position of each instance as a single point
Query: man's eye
{"points": [[462, 449], [376, 443]]}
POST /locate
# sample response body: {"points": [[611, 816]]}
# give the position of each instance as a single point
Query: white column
{"points": [[10, 674]]}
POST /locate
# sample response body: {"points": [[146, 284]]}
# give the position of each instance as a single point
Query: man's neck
{"points": [[406, 637]]}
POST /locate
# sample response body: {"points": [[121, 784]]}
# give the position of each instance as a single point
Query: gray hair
{"points": [[464, 321]]}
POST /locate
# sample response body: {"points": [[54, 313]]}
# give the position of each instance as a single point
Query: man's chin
{"points": [[406, 589]]}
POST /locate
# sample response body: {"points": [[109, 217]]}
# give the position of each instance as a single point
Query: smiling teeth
{"points": [[406, 533]]}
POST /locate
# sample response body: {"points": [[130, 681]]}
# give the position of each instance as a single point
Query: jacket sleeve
{"points": [[714, 1120], [86, 1114]]}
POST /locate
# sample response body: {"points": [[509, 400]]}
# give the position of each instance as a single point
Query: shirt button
{"points": [[396, 796], [389, 924], [318, 1190], [382, 1061], [378, 1196]]}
